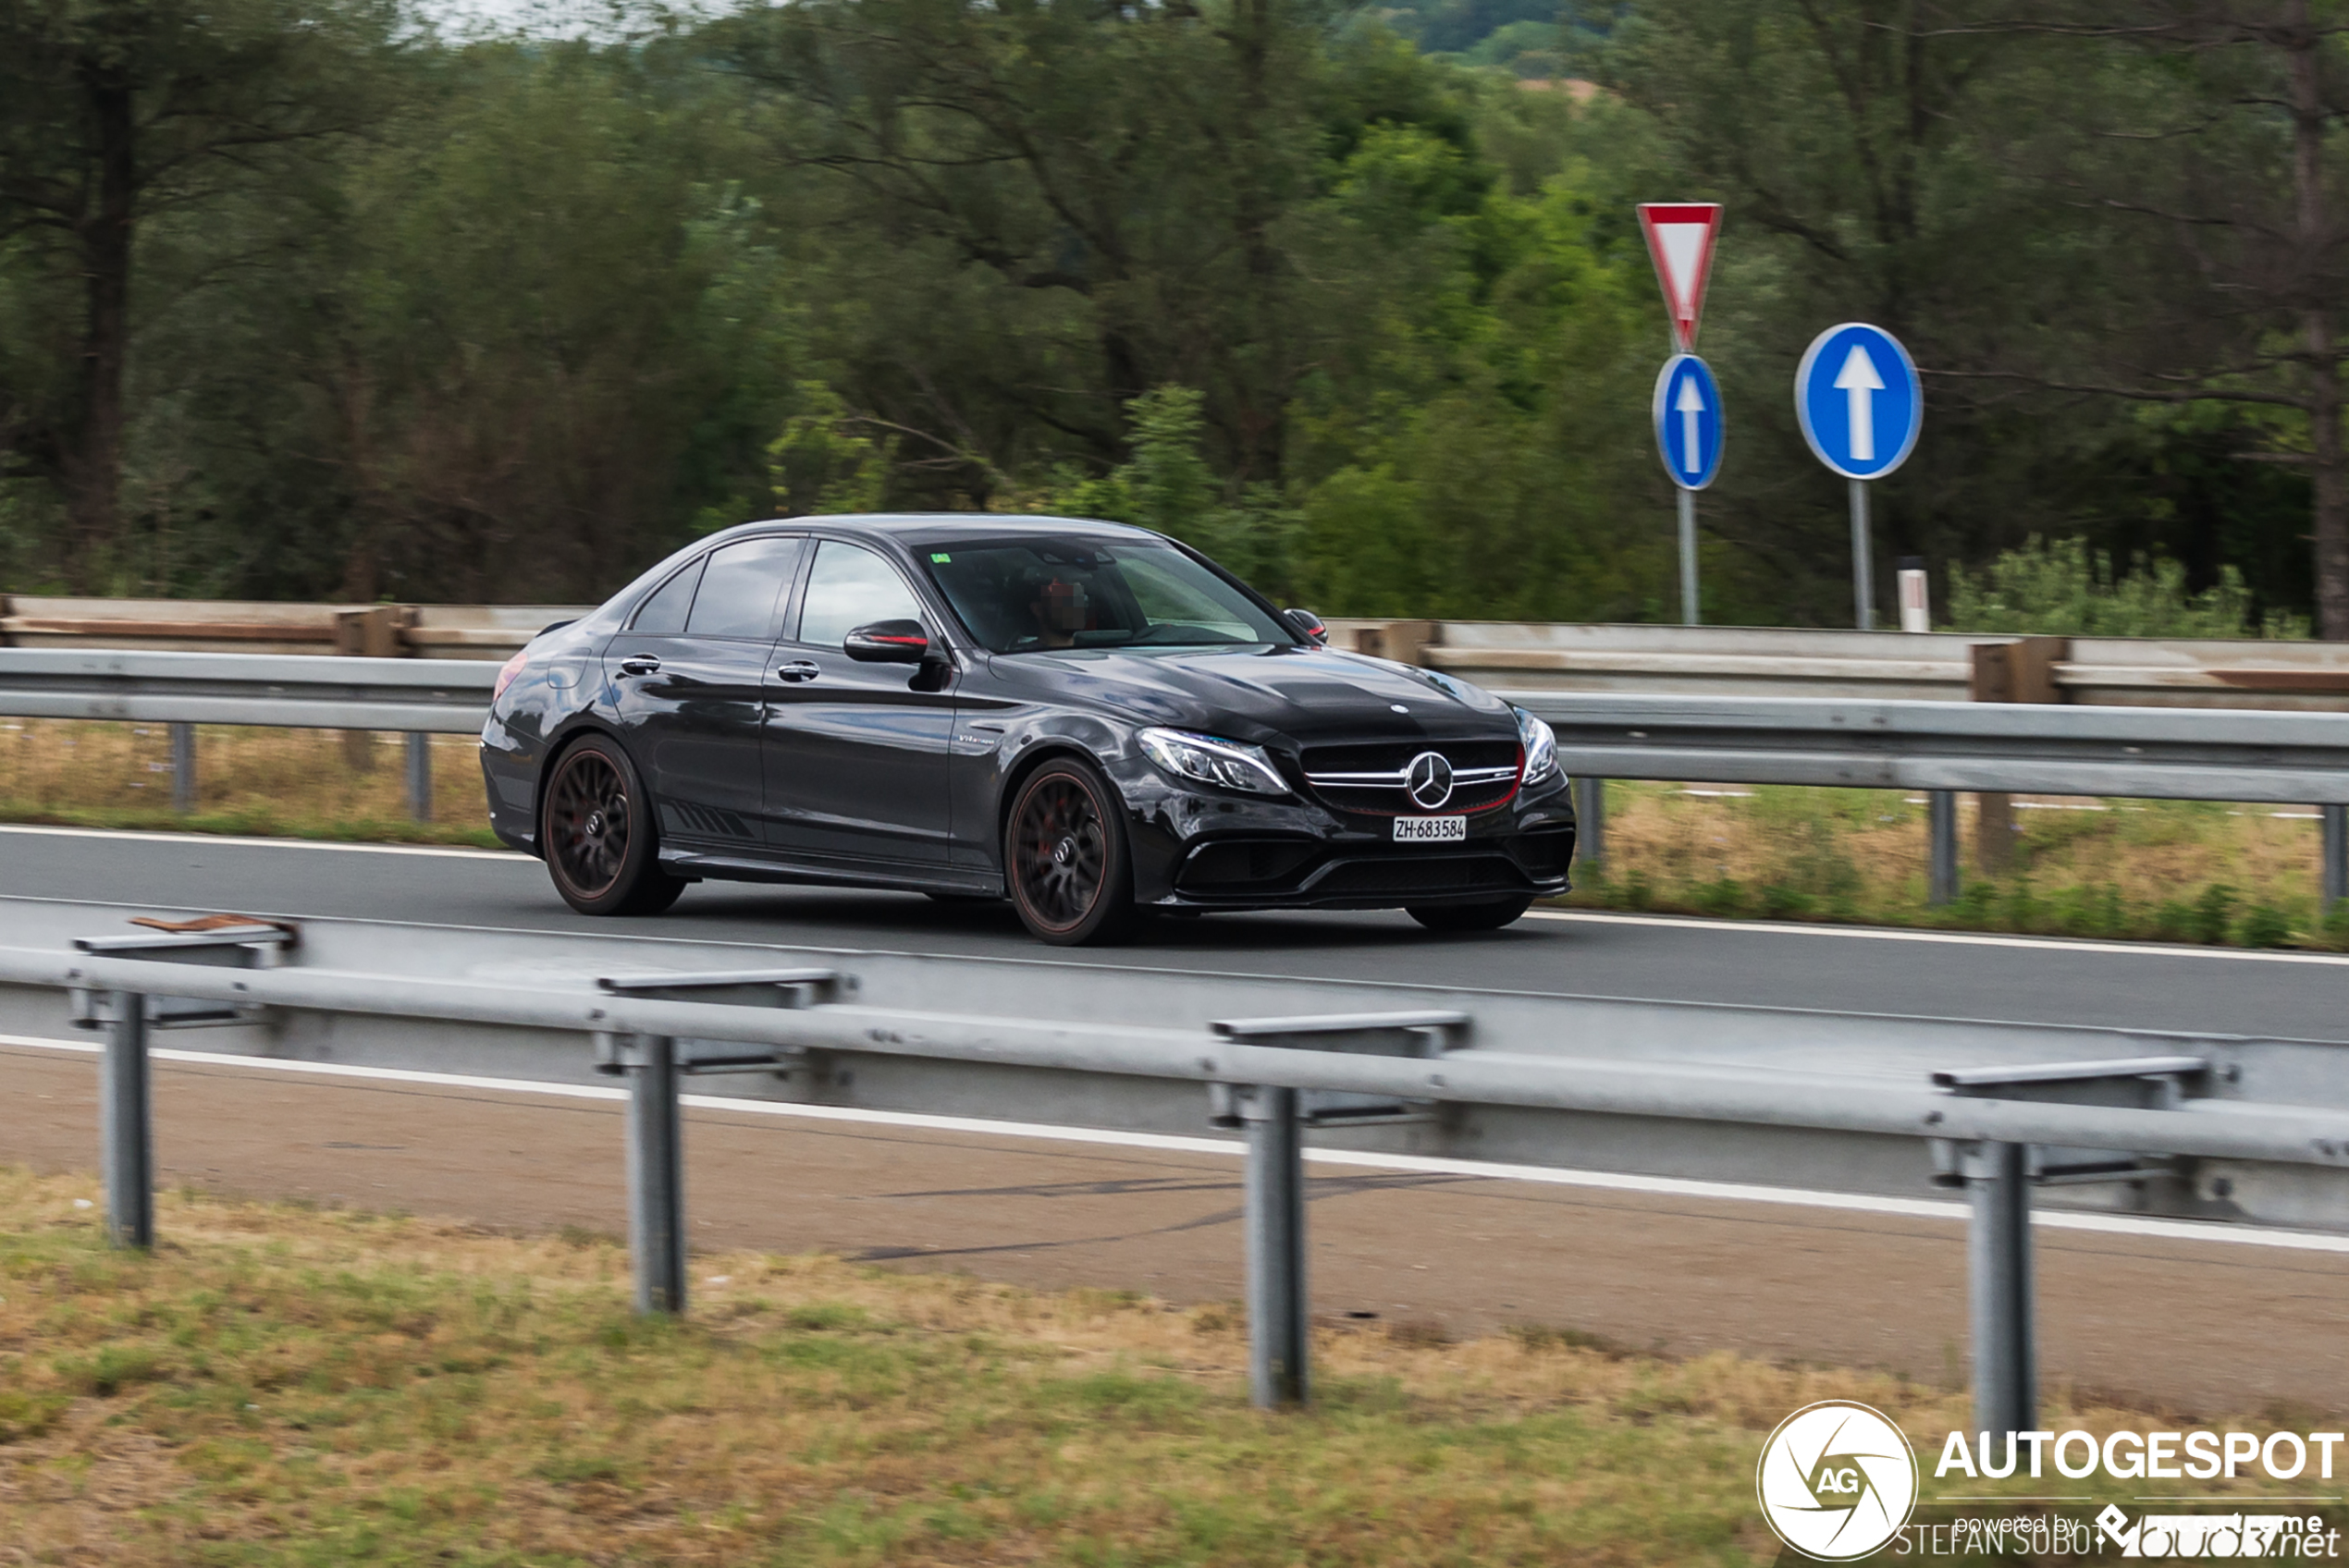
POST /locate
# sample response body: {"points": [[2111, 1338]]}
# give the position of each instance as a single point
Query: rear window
{"points": [[744, 587]]}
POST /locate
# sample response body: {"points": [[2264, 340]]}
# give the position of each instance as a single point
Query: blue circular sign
{"points": [[1859, 400], [1688, 422]]}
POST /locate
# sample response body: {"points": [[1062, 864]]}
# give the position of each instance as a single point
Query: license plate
{"points": [[1431, 829]]}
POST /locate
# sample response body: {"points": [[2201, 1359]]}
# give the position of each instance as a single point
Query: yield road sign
{"points": [[1680, 235], [1859, 400], [1688, 422]]}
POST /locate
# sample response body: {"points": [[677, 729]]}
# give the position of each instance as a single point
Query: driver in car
{"points": [[1061, 610]]}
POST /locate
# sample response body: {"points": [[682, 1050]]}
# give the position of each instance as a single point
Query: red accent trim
{"points": [[1684, 298]]}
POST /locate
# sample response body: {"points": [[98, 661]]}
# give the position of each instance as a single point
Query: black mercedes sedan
{"points": [[1090, 719]]}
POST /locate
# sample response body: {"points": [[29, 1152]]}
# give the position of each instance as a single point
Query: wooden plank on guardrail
{"points": [[2020, 671]]}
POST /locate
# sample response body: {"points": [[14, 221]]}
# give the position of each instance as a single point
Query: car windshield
{"points": [[1029, 595]]}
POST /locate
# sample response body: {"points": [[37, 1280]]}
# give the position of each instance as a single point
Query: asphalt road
{"points": [[2151, 1318], [1929, 975]]}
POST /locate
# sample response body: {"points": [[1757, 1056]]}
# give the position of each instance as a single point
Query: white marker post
{"points": [[1681, 237]]}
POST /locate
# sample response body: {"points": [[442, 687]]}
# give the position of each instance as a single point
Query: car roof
{"points": [[912, 529]]}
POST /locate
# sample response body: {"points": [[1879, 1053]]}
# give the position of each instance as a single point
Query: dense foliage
{"points": [[301, 298]]}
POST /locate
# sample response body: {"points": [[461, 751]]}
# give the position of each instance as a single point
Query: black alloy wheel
{"points": [[598, 840], [1470, 917], [1066, 858]]}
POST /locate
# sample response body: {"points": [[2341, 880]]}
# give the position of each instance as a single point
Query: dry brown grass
{"points": [[301, 782], [287, 1385], [2177, 870]]}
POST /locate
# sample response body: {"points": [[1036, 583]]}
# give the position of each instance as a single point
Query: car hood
{"points": [[1266, 696]]}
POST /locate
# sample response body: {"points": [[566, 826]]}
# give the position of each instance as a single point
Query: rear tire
{"points": [[598, 833], [1066, 860], [1453, 918]]}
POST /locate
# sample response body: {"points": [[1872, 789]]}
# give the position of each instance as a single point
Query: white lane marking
{"points": [[1665, 1186], [1954, 938], [457, 850]]}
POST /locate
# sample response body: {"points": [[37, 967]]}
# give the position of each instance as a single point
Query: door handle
{"points": [[640, 663], [797, 670]]}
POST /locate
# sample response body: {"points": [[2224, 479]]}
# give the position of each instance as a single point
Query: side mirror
{"points": [[1311, 625], [888, 641]]}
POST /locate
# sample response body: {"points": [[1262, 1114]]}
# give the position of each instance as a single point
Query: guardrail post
{"points": [[420, 776], [656, 1177], [1590, 823], [1999, 1258], [126, 1125], [183, 767], [2335, 851], [1277, 1324], [1942, 813]]}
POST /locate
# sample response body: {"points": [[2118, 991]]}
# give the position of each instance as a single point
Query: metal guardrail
{"points": [[451, 631], [2178, 753], [1655, 660], [1935, 746], [418, 697], [1930, 666], [2193, 1125]]}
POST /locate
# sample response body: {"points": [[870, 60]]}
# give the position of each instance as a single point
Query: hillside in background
{"points": [[329, 304]]}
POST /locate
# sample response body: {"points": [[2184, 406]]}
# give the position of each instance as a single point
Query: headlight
{"points": [[1541, 746], [1206, 759]]}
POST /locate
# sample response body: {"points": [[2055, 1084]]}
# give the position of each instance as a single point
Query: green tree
{"points": [[113, 112]]}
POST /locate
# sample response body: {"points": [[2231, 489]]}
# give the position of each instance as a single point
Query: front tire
{"points": [[602, 849], [1455, 918], [1067, 859]]}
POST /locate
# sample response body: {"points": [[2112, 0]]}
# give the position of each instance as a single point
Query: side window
{"points": [[742, 587], [848, 587], [663, 612]]}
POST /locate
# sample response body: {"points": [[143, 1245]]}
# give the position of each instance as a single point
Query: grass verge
{"points": [[2172, 871], [280, 1384], [265, 783]]}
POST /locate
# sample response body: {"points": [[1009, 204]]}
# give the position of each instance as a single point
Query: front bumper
{"points": [[1202, 851]]}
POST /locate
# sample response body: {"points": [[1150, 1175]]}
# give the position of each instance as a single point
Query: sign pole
{"points": [[1689, 612], [1689, 426], [1862, 569], [1862, 408]]}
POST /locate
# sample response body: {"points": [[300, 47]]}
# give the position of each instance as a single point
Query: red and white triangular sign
{"points": [[1681, 238]]}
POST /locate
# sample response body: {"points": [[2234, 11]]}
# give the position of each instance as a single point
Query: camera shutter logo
{"points": [[1837, 1480], [1429, 779]]}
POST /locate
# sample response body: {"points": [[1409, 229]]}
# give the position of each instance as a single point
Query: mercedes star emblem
{"points": [[1429, 781]]}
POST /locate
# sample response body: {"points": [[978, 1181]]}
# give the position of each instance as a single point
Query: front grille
{"points": [[1405, 874], [1370, 778]]}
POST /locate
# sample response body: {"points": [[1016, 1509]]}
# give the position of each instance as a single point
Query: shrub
{"points": [[2264, 925], [2213, 913]]}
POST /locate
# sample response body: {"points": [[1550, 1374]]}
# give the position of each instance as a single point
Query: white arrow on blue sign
{"points": [[1688, 422], [1859, 400]]}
